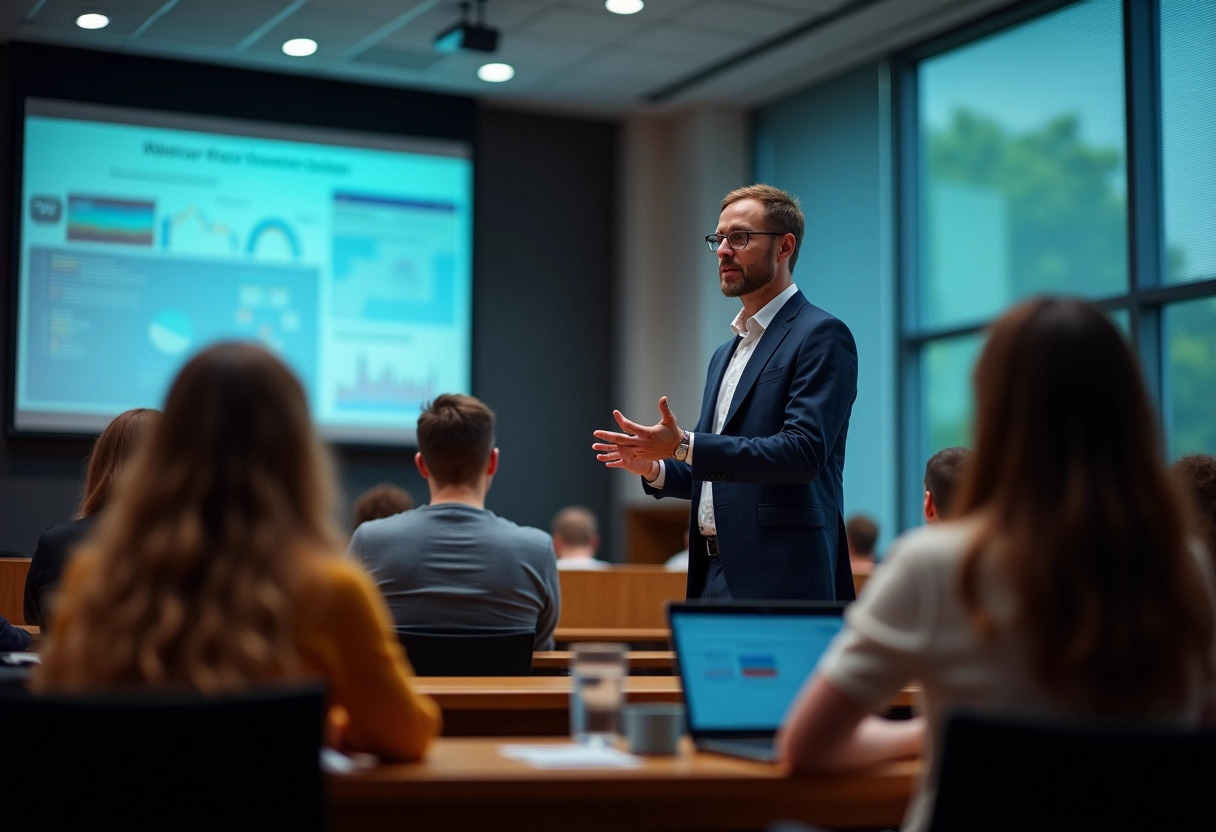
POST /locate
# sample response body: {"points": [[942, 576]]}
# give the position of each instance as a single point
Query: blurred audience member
{"points": [[454, 563], [108, 459], [218, 566], [576, 539], [943, 473], [1068, 585], [862, 534], [383, 500], [1197, 475]]}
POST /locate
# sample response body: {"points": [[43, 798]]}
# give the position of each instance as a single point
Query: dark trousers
{"points": [[715, 582]]}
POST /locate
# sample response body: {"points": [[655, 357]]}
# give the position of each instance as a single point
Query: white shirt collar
{"points": [[760, 321]]}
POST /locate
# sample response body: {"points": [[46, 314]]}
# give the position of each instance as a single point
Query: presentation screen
{"points": [[145, 236]]}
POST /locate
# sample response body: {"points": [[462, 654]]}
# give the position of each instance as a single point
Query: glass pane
{"points": [[1023, 166], [1188, 136], [1190, 377], [947, 399]]}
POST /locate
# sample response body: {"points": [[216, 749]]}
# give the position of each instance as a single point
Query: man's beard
{"points": [[747, 280]]}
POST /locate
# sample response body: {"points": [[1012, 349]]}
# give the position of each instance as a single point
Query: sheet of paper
{"points": [[570, 756]]}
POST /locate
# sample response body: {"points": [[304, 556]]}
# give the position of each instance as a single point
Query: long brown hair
{"points": [[1079, 515], [198, 555], [111, 452]]}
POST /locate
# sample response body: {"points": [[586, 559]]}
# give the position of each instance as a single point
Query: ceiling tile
{"points": [[685, 40], [334, 31], [744, 20], [199, 21], [125, 18], [603, 28]]}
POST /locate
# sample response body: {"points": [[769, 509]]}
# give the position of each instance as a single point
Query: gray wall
{"points": [[543, 250]]}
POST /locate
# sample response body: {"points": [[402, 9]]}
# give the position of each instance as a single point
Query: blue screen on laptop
{"points": [[741, 672]]}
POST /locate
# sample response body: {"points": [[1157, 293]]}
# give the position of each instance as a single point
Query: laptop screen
{"points": [[741, 669]]}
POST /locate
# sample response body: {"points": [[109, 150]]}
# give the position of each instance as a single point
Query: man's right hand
{"points": [[616, 456]]}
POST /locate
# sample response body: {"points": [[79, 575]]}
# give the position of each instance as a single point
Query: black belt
{"points": [[711, 546]]}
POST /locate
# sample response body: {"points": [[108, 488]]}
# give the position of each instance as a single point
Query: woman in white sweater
{"points": [[1069, 585]]}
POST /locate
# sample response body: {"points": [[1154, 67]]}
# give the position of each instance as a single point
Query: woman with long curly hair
{"points": [[1069, 584], [218, 565], [113, 449]]}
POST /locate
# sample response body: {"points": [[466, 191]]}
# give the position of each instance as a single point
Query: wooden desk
{"points": [[465, 785], [638, 660], [618, 596], [642, 635], [537, 706], [12, 588]]}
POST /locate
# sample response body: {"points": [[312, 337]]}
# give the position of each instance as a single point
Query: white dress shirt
{"points": [[751, 330]]}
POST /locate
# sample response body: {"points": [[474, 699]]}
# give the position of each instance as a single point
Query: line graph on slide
{"points": [[196, 231]]}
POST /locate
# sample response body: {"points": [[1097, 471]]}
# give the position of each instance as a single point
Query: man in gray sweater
{"points": [[453, 563]]}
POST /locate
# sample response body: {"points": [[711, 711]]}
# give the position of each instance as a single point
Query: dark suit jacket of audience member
{"points": [[46, 567]]}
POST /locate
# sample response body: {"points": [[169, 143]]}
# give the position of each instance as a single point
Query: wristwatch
{"points": [[681, 451]]}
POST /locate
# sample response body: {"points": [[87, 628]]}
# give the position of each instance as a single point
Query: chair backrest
{"points": [[181, 761], [1009, 773], [468, 652]]}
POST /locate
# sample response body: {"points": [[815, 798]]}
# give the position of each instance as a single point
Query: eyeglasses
{"points": [[737, 239]]}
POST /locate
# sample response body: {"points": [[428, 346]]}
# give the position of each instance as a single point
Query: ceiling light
{"points": [[496, 73], [92, 21], [300, 47], [624, 6]]}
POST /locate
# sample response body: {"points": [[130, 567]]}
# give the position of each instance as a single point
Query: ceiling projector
{"points": [[466, 34]]}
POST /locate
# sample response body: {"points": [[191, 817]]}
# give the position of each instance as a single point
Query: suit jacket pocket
{"points": [[770, 375], [809, 516]]}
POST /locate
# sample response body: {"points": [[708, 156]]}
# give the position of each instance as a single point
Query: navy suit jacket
{"points": [[777, 466]]}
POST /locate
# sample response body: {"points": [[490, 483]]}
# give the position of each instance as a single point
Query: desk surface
{"points": [[638, 660], [465, 784]]}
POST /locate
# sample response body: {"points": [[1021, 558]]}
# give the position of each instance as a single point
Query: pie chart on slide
{"points": [[170, 332]]}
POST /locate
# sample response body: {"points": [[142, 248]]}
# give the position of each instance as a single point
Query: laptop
{"points": [[742, 664]]}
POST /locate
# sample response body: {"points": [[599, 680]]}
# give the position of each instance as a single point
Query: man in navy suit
{"points": [[764, 465]]}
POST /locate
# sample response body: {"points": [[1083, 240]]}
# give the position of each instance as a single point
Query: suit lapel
{"points": [[773, 336], [717, 369]]}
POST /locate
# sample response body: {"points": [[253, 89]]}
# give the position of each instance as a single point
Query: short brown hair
{"points": [[862, 532], [383, 500], [782, 211], [455, 437], [575, 526], [1197, 475], [943, 472], [111, 452]]}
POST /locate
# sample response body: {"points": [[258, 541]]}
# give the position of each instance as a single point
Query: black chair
{"points": [[181, 761], [468, 652], [1023, 774]]}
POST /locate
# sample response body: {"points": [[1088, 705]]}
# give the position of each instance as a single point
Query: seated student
{"points": [[576, 538], [454, 563], [383, 500], [111, 452], [1069, 554], [943, 472], [1196, 474], [679, 561], [861, 532], [218, 566]]}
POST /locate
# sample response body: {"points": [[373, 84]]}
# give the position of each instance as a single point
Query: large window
{"points": [[1060, 150]]}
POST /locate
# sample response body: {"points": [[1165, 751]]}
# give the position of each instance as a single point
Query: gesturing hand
{"points": [[634, 449]]}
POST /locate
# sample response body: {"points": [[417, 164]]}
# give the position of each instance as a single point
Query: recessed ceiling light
{"points": [[496, 73], [300, 47], [624, 6], [92, 21]]}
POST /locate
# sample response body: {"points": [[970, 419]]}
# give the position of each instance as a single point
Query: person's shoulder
{"points": [[386, 528], [333, 576], [65, 532], [932, 547]]}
